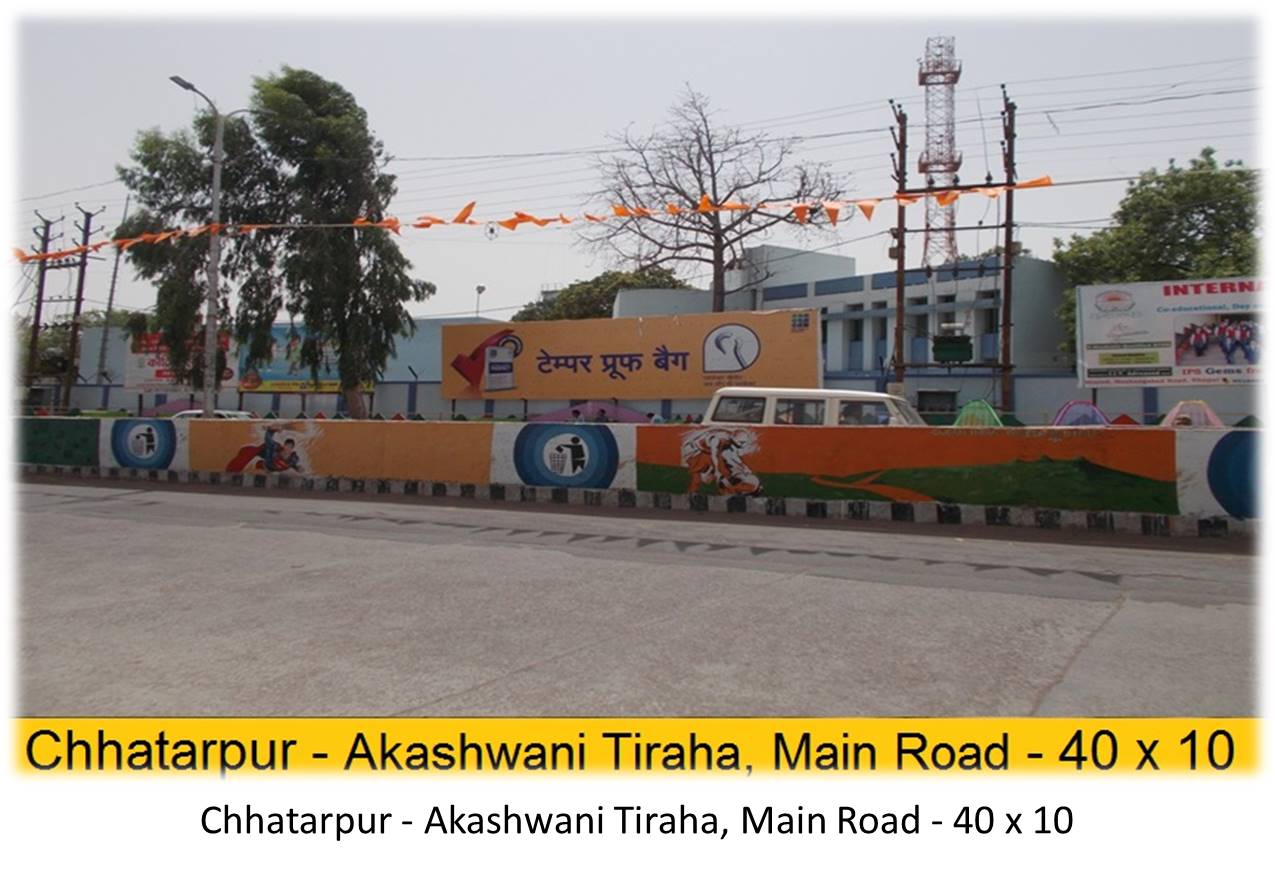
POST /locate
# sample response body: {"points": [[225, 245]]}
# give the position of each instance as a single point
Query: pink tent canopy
{"points": [[1079, 412], [589, 414], [1192, 413]]}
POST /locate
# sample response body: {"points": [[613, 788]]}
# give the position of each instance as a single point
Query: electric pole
{"points": [[33, 351], [1007, 258], [73, 349], [900, 134], [110, 302]]}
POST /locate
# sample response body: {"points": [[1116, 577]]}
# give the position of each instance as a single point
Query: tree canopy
{"points": [[595, 297], [691, 157], [1198, 221], [304, 154]]}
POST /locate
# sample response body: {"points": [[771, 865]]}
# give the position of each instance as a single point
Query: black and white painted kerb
{"points": [[863, 511]]}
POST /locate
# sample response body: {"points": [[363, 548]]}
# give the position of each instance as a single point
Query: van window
{"points": [[799, 412], [740, 409], [863, 413], [908, 414]]}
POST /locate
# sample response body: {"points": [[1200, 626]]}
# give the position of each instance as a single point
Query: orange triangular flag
{"points": [[510, 223], [426, 221], [733, 206], [525, 218], [673, 208], [906, 198], [867, 206], [621, 211], [833, 211], [802, 212], [195, 231], [594, 218], [362, 222], [989, 192], [563, 219], [638, 211], [23, 256], [1043, 181], [947, 197], [391, 224], [464, 213], [705, 204]]}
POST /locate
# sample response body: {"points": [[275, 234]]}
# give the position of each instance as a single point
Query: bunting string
{"points": [[802, 212]]}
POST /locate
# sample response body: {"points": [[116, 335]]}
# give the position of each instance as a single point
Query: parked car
{"points": [[758, 406], [195, 413]]}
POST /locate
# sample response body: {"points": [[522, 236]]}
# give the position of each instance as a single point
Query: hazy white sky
{"points": [[455, 87]]}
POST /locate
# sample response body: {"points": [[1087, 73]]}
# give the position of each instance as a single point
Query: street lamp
{"points": [[214, 253]]}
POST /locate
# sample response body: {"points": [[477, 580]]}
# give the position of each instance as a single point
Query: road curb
{"points": [[920, 513]]}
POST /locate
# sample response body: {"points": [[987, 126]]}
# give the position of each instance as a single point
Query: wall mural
{"points": [[1066, 469], [146, 444], [592, 456], [1192, 472], [57, 441], [1218, 472]]}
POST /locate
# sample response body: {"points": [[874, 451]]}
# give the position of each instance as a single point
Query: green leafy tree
{"points": [[306, 156], [595, 297], [1198, 221]]}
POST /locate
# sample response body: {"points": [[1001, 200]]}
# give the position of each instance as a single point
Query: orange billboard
{"points": [[677, 357]]}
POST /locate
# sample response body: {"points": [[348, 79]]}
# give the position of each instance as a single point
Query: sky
{"points": [[464, 88]]}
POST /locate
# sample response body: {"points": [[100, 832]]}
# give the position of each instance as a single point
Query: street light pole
{"points": [[211, 343]]}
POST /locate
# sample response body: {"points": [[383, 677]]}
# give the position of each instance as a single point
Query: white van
{"points": [[757, 406]]}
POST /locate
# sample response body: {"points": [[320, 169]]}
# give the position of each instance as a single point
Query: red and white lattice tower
{"points": [[939, 161]]}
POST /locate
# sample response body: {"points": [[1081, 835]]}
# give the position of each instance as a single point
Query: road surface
{"points": [[160, 601]]}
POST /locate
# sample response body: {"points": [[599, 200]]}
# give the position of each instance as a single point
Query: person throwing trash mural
{"points": [[716, 456]]}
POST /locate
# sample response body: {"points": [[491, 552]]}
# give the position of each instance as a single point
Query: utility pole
{"points": [[33, 351], [1007, 258], [900, 134], [110, 303], [73, 350]]}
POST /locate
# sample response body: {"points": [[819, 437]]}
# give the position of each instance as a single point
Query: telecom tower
{"points": [[939, 161]]}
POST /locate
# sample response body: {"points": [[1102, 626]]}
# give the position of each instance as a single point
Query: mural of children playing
{"points": [[716, 456], [271, 454]]}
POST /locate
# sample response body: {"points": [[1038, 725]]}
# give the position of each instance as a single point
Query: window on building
{"points": [[740, 409], [856, 330], [936, 401], [799, 412], [949, 298], [991, 320]]}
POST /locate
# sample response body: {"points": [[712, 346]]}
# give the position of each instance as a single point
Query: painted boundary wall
{"points": [[1196, 474]]}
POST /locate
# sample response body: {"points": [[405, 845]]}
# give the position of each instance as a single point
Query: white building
{"points": [[858, 317]]}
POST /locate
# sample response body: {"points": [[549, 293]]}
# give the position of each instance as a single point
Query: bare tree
{"points": [[669, 173]]}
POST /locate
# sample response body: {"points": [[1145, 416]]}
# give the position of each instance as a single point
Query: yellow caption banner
{"points": [[724, 747]]}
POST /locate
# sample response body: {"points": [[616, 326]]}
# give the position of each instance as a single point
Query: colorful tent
{"points": [[1079, 412], [978, 414], [1192, 413]]}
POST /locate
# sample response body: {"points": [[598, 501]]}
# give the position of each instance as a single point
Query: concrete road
{"points": [[160, 601]]}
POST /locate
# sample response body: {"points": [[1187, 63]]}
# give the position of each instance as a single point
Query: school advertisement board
{"points": [[283, 371], [1165, 333], [677, 357], [146, 365]]}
